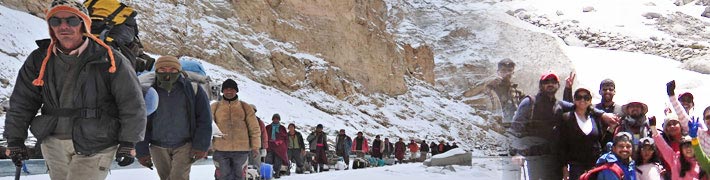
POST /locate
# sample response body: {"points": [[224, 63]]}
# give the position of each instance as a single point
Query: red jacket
{"points": [[399, 150], [365, 147], [413, 147]]}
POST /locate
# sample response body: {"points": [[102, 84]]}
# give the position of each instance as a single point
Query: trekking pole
{"points": [[524, 171], [18, 170]]}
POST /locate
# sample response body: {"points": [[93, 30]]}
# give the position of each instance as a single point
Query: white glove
{"points": [[262, 152]]}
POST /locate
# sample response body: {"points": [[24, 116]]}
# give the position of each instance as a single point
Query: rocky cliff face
{"points": [[340, 47]]}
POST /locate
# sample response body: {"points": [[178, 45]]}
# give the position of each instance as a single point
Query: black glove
{"points": [[18, 154], [652, 121], [123, 155], [670, 88]]}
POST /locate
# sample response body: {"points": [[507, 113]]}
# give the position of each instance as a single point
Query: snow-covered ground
{"points": [[483, 169], [624, 17]]}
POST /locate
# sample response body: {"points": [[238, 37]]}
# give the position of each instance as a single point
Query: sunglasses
{"points": [[508, 65], [585, 97], [71, 21], [549, 81]]}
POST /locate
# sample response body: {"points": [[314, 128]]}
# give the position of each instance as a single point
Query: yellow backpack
{"points": [[107, 14], [115, 23]]}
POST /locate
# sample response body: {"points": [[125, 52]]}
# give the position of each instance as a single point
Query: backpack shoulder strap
{"points": [[532, 106], [610, 166], [617, 170]]}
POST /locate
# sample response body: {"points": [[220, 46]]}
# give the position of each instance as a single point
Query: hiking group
{"points": [[102, 99], [576, 139]]}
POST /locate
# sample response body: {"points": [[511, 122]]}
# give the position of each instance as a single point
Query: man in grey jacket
{"points": [[180, 130], [91, 103]]}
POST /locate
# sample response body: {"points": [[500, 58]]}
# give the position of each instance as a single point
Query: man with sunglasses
{"points": [[91, 103], [539, 117]]}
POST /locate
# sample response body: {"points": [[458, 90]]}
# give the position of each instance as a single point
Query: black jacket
{"points": [[576, 147], [109, 106]]}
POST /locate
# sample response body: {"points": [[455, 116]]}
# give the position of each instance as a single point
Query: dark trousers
{"points": [[232, 164], [576, 170], [295, 156], [274, 160]]}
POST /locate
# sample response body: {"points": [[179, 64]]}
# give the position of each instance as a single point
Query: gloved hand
{"points": [[255, 153], [652, 121], [124, 155], [146, 161], [18, 153], [262, 152], [693, 125], [670, 88], [197, 155]]}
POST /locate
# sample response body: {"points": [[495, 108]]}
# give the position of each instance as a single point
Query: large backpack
{"points": [[115, 23], [592, 173]]}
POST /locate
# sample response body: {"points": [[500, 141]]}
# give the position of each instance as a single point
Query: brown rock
{"points": [[420, 62]]}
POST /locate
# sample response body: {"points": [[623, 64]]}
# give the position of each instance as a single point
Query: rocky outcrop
{"points": [[350, 36], [420, 62], [687, 42]]}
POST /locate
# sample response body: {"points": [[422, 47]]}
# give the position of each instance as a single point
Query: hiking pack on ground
{"points": [[115, 23]]}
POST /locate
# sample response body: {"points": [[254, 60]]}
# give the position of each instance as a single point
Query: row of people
{"points": [[576, 133]]}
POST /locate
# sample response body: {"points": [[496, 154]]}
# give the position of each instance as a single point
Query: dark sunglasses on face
{"points": [[549, 81], [585, 97], [707, 117], [71, 21]]}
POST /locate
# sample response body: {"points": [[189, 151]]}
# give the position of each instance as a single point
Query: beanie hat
{"points": [[319, 126], [506, 63], [168, 61], [79, 10], [670, 117], [229, 83], [276, 116]]}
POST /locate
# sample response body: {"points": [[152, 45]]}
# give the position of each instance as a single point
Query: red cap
{"points": [[549, 76]]}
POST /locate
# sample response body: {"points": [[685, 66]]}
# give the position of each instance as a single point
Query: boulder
{"points": [[651, 15], [706, 13], [588, 9], [699, 64], [452, 157], [682, 2]]}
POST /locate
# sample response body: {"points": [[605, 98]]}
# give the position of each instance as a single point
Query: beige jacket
{"points": [[241, 129]]}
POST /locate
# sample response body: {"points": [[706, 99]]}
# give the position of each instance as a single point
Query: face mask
{"points": [[166, 80]]}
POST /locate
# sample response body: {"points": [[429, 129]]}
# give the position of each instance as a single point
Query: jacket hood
{"points": [[607, 158]]}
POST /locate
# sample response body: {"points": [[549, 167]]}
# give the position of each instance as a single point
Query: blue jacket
{"points": [[198, 110], [629, 169]]}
